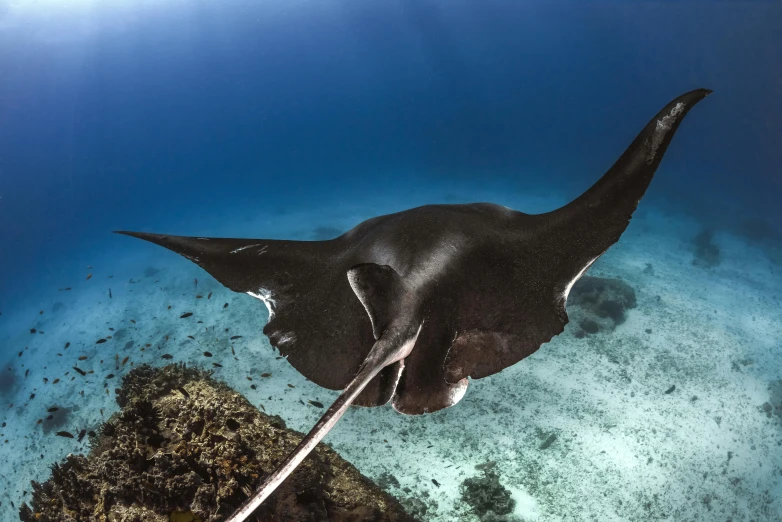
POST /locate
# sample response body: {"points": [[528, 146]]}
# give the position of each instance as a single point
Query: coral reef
{"points": [[186, 447], [707, 254], [598, 304], [487, 497]]}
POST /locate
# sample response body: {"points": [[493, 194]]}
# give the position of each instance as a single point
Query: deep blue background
{"points": [[127, 114]]}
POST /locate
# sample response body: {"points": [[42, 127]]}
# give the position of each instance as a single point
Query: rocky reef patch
{"points": [[598, 304], [187, 447]]}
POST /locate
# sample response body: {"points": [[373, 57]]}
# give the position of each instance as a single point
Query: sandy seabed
{"points": [[581, 430]]}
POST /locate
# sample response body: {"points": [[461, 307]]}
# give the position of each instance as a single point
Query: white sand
{"points": [[624, 449]]}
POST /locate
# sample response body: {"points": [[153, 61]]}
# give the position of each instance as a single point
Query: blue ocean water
{"points": [[300, 119]]}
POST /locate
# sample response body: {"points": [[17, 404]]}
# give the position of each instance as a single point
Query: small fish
{"points": [[82, 433], [111, 329], [45, 380], [317, 404], [435, 483], [217, 365], [266, 374], [64, 289], [100, 341], [64, 434], [209, 295], [26, 372], [185, 315], [195, 282], [225, 306], [199, 296], [52, 409], [32, 330], [20, 353], [82, 372], [183, 391], [235, 337], [191, 337], [132, 321], [109, 293], [55, 381], [290, 385], [249, 378], [670, 390], [82, 357], [89, 267], [32, 396], [169, 307], [67, 345], [125, 360], [39, 421], [261, 407], [233, 352], [166, 356], [110, 376], [50, 417], [254, 387], [40, 313], [88, 277], [207, 354]]}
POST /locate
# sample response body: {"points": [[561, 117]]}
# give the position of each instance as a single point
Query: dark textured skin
{"points": [[487, 282]]}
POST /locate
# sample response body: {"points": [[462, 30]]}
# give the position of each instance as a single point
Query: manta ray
{"points": [[406, 308]]}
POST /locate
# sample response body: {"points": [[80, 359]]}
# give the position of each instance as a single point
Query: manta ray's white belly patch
{"points": [[570, 285], [265, 295]]}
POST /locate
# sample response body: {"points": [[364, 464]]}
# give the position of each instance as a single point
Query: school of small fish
{"points": [[91, 357]]}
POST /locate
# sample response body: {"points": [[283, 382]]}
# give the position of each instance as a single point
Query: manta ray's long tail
{"points": [[393, 346]]}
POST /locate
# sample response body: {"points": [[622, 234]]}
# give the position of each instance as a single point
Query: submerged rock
{"points": [[706, 253], [598, 304], [187, 447], [487, 497]]}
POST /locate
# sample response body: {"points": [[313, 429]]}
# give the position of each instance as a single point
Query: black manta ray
{"points": [[406, 307]]}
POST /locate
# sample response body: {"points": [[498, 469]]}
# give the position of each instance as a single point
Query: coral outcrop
{"points": [[187, 447], [598, 304], [489, 499], [706, 252]]}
